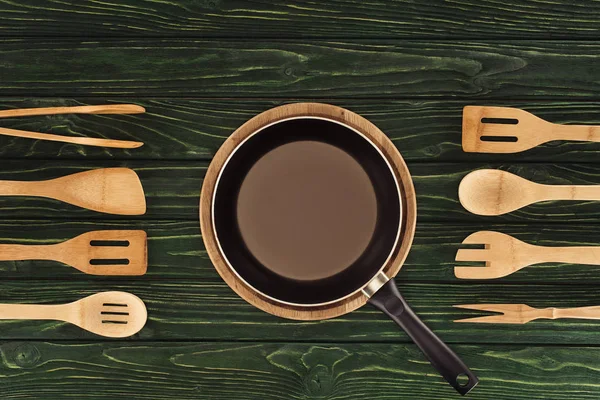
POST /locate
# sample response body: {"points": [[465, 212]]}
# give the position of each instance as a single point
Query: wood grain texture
{"points": [[283, 69], [278, 371], [173, 190], [176, 251], [210, 310], [193, 129], [302, 18]]}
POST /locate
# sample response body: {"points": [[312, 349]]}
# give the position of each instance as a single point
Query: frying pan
{"points": [[369, 277]]}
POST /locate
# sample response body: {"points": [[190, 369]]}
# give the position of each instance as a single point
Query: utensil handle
{"points": [[389, 300], [117, 144], [571, 192], [19, 252], [589, 255], [33, 312], [580, 133], [102, 109], [592, 312], [20, 188]]}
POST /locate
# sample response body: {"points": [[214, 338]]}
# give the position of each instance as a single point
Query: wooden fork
{"points": [[522, 313], [95, 253], [504, 255], [512, 130]]}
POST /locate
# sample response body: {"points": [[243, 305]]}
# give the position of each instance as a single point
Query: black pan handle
{"points": [[389, 300]]}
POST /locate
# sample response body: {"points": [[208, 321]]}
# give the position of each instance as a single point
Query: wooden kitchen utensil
{"points": [[495, 192], [522, 313], [512, 130], [504, 255], [110, 314], [109, 190], [118, 252], [105, 109]]}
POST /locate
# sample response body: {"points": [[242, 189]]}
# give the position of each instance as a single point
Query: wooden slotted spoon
{"points": [[109, 190], [512, 130], [118, 252], [110, 314]]}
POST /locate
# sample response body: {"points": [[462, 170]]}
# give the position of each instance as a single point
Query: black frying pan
{"points": [[364, 276]]}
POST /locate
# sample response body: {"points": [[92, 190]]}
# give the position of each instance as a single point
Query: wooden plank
{"points": [[173, 190], [45, 370], [193, 129], [176, 251], [209, 310], [252, 68], [302, 18]]}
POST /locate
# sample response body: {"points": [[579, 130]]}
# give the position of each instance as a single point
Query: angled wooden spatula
{"points": [[108, 190], [512, 130], [112, 252]]}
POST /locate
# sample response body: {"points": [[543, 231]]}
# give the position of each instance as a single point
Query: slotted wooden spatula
{"points": [[117, 252], [512, 130], [522, 313], [109, 190]]}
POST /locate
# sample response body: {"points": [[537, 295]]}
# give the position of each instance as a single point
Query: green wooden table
{"points": [[203, 67]]}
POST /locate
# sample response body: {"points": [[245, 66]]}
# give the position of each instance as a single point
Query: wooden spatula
{"points": [[110, 314], [96, 253], [495, 192], [108, 190], [522, 313], [512, 130], [503, 255]]}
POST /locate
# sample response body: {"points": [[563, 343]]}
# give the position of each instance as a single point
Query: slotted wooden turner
{"points": [[115, 252], [512, 130]]}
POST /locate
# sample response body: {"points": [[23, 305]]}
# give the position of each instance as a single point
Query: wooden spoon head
{"points": [[495, 192], [108, 190], [110, 252], [111, 314]]}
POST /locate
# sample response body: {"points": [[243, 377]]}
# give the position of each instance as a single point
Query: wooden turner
{"points": [[503, 255], [512, 130], [496, 192], [110, 314], [105, 109], [109, 190], [522, 313], [95, 253]]}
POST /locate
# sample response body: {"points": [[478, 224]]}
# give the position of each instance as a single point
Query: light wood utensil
{"points": [[495, 192], [118, 252], [512, 130], [109, 190], [110, 314], [104, 109], [522, 313], [503, 255]]}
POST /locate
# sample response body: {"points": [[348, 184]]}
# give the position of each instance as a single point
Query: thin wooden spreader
{"points": [[109, 190], [512, 130], [111, 252], [103, 109]]}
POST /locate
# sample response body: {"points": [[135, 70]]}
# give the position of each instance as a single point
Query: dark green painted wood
{"points": [[176, 251], [193, 129], [284, 69], [302, 18], [209, 310], [275, 371], [173, 190]]}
